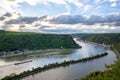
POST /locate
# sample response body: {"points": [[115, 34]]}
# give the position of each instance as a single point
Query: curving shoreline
{"points": [[115, 51], [111, 47], [50, 66]]}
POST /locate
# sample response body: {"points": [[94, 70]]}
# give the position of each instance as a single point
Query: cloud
{"points": [[9, 6], [78, 16], [82, 29], [112, 0], [14, 5], [14, 18], [87, 7], [11, 0], [76, 3], [26, 20], [7, 17], [114, 4], [7, 14], [61, 23], [97, 1], [87, 20], [67, 19]]}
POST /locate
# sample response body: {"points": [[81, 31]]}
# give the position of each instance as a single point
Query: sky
{"points": [[60, 16]]}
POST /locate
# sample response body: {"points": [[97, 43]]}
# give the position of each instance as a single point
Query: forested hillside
{"points": [[10, 41], [107, 38], [112, 71]]}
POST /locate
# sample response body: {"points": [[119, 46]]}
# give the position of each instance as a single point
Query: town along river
{"points": [[71, 72]]}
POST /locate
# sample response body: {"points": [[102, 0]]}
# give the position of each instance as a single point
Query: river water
{"points": [[71, 72]]}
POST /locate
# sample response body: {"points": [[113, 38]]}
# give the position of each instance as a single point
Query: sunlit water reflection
{"points": [[63, 73]]}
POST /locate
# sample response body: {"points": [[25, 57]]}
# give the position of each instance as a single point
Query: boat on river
{"points": [[23, 62]]}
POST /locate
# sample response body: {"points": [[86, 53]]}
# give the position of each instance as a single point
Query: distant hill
{"points": [[10, 41], [112, 71], [107, 38]]}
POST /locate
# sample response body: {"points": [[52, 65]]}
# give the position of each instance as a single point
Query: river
{"points": [[71, 72]]}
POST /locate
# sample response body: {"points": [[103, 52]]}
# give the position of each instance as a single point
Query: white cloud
{"points": [[81, 24], [13, 5], [9, 6], [86, 7], [7, 17], [112, 0], [76, 3], [114, 4], [97, 1], [35, 2]]}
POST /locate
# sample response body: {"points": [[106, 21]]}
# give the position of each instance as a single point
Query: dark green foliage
{"points": [[50, 66], [10, 41], [112, 73], [117, 46], [107, 38]]}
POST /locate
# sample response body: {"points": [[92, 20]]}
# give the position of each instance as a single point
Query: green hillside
{"points": [[112, 71], [107, 38], [10, 41]]}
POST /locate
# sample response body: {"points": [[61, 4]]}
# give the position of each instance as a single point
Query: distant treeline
{"points": [[10, 41], [107, 38], [112, 71]]}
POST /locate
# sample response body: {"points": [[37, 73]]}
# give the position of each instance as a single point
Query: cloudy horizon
{"points": [[60, 16]]}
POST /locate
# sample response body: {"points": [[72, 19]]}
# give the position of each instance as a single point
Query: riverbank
{"points": [[111, 47], [112, 72], [50, 66], [27, 54], [18, 41], [116, 52], [103, 45]]}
